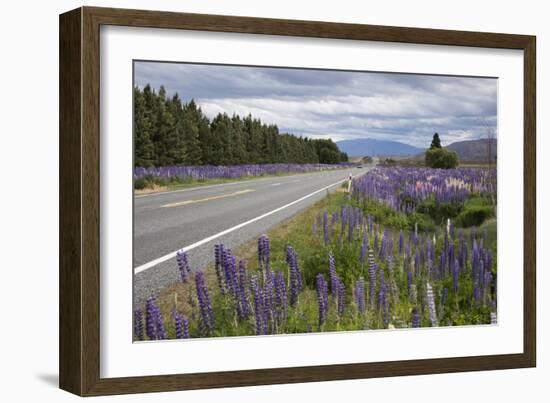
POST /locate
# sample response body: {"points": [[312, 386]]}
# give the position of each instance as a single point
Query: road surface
{"points": [[198, 218]]}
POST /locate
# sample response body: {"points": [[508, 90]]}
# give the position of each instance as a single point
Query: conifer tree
{"points": [[143, 146], [436, 143]]}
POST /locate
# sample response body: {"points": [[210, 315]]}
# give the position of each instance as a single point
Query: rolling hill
{"points": [[473, 150]]}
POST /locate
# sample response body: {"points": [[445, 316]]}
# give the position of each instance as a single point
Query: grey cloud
{"points": [[336, 104]]}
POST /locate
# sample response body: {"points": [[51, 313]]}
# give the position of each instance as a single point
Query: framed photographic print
{"points": [[249, 201]]}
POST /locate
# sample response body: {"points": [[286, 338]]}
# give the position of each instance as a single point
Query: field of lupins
{"points": [[203, 172], [340, 267], [402, 189]]}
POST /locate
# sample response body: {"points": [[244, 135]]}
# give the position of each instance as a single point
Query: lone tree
{"points": [[439, 157], [436, 143]]}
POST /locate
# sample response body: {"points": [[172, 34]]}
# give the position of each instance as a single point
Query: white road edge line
{"points": [[170, 255]]}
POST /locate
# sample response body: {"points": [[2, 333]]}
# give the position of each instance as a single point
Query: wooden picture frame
{"points": [[79, 280]]}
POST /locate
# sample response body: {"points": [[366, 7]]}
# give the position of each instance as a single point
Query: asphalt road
{"points": [[198, 218]]}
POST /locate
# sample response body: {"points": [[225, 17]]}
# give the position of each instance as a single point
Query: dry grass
{"points": [[154, 189]]}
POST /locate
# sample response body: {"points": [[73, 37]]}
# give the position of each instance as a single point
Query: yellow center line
{"points": [[186, 202]]}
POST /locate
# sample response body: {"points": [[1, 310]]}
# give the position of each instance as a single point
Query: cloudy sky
{"points": [[336, 104]]}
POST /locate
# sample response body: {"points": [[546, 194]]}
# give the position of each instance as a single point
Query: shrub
{"points": [[140, 183], [441, 158], [474, 216], [422, 222], [439, 211]]}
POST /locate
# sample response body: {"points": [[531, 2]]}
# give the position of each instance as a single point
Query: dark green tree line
{"points": [[168, 131]]}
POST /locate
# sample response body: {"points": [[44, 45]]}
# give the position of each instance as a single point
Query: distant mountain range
{"points": [[371, 147], [469, 150], [473, 150]]}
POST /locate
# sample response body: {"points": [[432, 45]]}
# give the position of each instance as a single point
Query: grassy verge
{"points": [[157, 186]]}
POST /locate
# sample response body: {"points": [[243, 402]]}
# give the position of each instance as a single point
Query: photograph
{"points": [[288, 200]]}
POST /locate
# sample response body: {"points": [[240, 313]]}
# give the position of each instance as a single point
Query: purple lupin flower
{"points": [[334, 218], [151, 318], [477, 293], [263, 252], [159, 324], [384, 245], [415, 318], [431, 305], [183, 265], [389, 247], [182, 326], [341, 298], [268, 302], [218, 251], [205, 305], [138, 324], [161, 331], [450, 256], [333, 275], [258, 305], [244, 308], [326, 234], [430, 268], [229, 263], [417, 267], [360, 295], [322, 298], [463, 255], [343, 220], [475, 260], [401, 243], [295, 274], [280, 297], [442, 261], [383, 300], [351, 226], [369, 223]]}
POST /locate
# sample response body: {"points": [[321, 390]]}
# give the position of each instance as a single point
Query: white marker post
{"points": [[349, 183]]}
